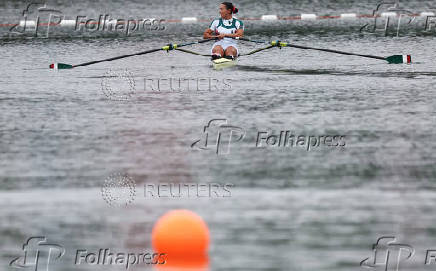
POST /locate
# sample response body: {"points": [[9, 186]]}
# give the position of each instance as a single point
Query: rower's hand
{"points": [[221, 36]]}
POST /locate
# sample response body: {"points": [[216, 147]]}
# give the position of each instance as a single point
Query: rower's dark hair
{"points": [[230, 6]]}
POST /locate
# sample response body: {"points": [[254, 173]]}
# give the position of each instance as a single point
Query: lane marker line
{"points": [[189, 20], [308, 16], [389, 14], [267, 17], [348, 15]]}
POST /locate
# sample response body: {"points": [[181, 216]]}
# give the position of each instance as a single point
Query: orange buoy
{"points": [[181, 233], [200, 263]]}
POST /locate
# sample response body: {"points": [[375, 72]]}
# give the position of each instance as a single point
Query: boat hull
{"points": [[222, 63]]}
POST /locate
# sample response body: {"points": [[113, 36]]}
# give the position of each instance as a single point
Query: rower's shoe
{"points": [[215, 56]]}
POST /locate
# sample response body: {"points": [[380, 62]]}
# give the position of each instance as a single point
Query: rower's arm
{"points": [[208, 34], [238, 34]]}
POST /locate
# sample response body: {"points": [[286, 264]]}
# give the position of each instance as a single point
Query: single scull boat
{"points": [[223, 62]]}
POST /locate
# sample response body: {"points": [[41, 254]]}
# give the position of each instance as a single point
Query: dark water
{"points": [[62, 133]]}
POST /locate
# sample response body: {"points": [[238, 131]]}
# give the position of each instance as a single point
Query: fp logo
{"points": [[37, 8], [388, 254], [38, 254], [392, 10], [219, 135]]}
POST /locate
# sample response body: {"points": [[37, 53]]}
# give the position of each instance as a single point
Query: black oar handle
{"points": [[255, 41], [196, 42]]}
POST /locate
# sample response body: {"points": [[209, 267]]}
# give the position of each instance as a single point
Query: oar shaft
{"points": [[312, 48], [117, 57], [258, 50], [168, 47], [335, 51], [196, 42], [191, 52]]}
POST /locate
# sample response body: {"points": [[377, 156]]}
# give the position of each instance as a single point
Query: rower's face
{"points": [[224, 12]]}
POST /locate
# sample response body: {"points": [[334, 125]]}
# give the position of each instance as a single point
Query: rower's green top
{"points": [[221, 26]]}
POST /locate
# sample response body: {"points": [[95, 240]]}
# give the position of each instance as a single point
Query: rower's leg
{"points": [[218, 50], [231, 51]]}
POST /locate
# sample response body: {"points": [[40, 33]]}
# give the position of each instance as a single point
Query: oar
{"points": [[165, 48], [395, 59]]}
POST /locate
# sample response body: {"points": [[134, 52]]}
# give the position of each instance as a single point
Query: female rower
{"points": [[225, 29]]}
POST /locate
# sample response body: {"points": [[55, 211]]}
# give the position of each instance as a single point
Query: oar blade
{"points": [[399, 59], [60, 66]]}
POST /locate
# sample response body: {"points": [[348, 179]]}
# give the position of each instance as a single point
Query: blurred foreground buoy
{"points": [[184, 237]]}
